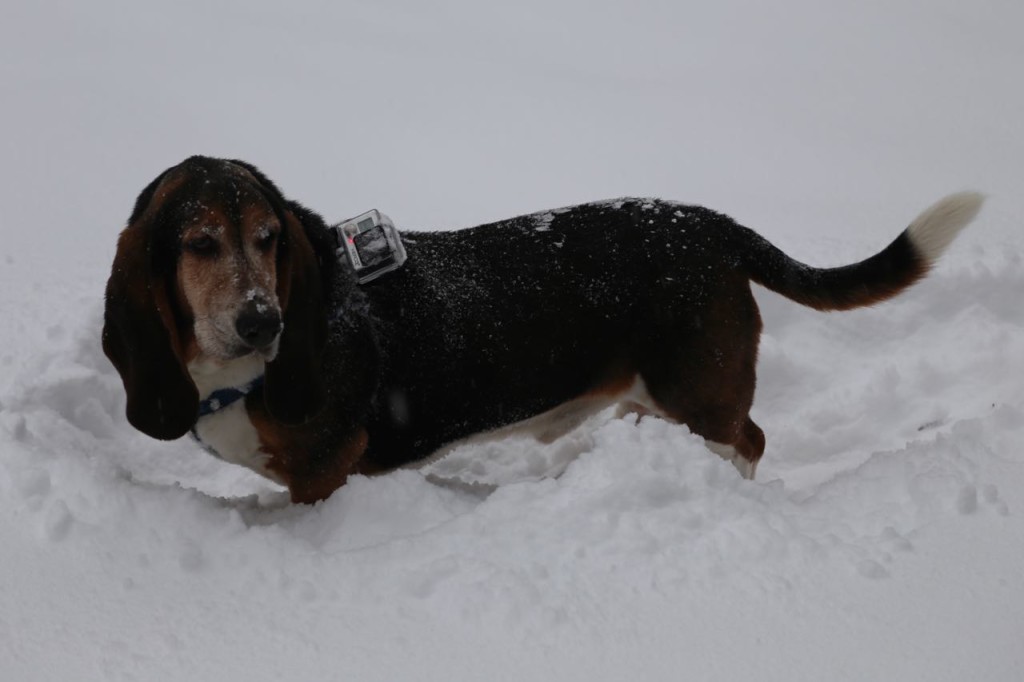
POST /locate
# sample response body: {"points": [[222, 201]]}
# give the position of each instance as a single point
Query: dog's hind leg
{"points": [[745, 452], [700, 371], [725, 427], [732, 437]]}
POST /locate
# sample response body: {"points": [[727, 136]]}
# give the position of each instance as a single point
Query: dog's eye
{"points": [[266, 241], [204, 245]]}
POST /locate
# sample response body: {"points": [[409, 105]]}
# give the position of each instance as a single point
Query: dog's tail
{"points": [[903, 262]]}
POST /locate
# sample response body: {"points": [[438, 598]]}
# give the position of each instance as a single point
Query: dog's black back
{"points": [[491, 325]]}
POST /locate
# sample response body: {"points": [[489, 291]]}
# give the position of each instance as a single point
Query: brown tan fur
{"points": [[221, 263]]}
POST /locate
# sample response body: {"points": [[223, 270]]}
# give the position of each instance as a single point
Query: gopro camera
{"points": [[372, 245]]}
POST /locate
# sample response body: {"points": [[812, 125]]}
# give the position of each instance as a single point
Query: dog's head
{"points": [[214, 265]]}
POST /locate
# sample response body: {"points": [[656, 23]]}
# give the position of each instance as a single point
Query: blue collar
{"points": [[223, 397]]}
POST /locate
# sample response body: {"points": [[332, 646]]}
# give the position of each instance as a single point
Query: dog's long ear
{"points": [[140, 334], [295, 390]]}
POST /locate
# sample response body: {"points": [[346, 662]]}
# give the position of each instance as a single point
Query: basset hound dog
{"points": [[230, 314]]}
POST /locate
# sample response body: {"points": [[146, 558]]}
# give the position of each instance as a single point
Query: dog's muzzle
{"points": [[258, 325]]}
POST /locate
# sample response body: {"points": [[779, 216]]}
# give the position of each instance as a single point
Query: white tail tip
{"points": [[934, 230]]}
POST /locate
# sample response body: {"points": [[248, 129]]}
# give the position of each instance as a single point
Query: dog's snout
{"points": [[258, 325]]}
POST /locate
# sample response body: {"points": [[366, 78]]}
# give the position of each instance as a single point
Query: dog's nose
{"points": [[258, 325]]}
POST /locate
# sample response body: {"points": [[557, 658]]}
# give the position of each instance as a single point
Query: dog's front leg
{"points": [[312, 463]]}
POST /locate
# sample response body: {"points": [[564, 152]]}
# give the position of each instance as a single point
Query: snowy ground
{"points": [[884, 538]]}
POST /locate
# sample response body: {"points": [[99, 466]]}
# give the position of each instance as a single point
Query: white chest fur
{"points": [[229, 433]]}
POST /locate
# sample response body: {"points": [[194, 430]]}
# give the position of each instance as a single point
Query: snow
{"points": [[883, 538]]}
